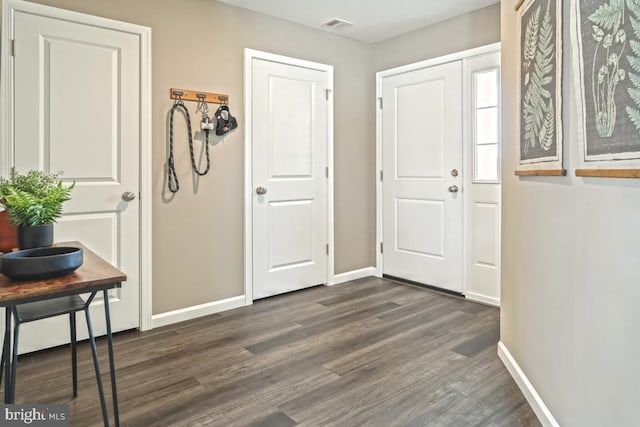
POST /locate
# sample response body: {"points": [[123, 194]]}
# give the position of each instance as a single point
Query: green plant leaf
{"points": [[531, 35], [635, 23], [538, 97], [634, 116], [34, 198], [547, 132], [609, 15], [635, 79], [634, 61]]}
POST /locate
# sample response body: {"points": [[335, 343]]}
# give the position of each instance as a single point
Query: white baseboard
{"points": [[188, 313], [352, 275], [471, 296], [542, 412]]}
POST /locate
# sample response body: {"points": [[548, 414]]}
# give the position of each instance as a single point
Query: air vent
{"points": [[337, 24]]}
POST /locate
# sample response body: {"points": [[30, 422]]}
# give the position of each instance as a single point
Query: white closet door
{"points": [[289, 160], [77, 110]]}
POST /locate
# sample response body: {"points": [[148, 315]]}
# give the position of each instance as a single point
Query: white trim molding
{"points": [[352, 275], [379, 205], [483, 299], [249, 56], [146, 186], [6, 89], [541, 410], [193, 312], [439, 60]]}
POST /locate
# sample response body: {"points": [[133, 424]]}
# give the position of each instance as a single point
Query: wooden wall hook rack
{"points": [[197, 96]]}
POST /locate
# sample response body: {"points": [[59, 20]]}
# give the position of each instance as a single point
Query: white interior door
{"points": [[77, 109], [289, 156], [422, 162]]}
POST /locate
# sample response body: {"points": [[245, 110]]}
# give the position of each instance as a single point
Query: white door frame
{"points": [[465, 142], [7, 117], [249, 56]]}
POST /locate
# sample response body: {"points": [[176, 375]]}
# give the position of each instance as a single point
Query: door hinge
{"points": [[13, 47], [381, 247], [327, 249], [327, 92], [326, 171], [380, 102], [381, 175]]}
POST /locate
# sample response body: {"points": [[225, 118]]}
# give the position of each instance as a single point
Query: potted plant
{"points": [[34, 202]]}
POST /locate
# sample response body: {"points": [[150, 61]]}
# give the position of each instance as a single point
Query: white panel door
{"points": [[421, 146], [289, 133], [77, 110]]}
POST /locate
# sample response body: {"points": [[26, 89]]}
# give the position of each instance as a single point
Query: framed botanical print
{"points": [[540, 96], [606, 67]]}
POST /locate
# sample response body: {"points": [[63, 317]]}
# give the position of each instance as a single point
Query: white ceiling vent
{"points": [[337, 24]]}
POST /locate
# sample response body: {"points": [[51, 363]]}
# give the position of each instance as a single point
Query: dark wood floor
{"points": [[370, 352]]}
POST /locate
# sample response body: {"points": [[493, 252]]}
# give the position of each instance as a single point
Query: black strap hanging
{"points": [[174, 184]]}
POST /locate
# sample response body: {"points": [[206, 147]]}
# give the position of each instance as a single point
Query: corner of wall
{"points": [[535, 401]]}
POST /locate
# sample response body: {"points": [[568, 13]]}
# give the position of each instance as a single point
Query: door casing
{"points": [[494, 47], [7, 119], [249, 55]]}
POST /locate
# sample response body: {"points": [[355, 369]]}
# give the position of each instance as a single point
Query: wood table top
{"points": [[94, 273]]}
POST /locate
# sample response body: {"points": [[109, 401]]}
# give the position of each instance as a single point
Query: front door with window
{"points": [[439, 191], [422, 163]]}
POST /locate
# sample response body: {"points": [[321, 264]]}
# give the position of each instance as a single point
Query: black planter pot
{"points": [[35, 236]]}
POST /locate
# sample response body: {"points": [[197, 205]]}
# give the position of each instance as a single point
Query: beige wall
{"points": [[570, 271], [474, 29], [198, 44]]}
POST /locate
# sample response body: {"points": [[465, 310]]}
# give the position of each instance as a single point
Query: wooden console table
{"points": [[34, 300]]}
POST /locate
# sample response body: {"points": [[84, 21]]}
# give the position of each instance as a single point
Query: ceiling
{"points": [[373, 20]]}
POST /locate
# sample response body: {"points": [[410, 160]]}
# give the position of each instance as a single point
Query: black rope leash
{"points": [[174, 183]]}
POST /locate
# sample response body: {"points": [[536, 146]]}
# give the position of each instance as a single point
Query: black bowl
{"points": [[40, 263]]}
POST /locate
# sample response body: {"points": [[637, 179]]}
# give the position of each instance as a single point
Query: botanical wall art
{"points": [[606, 35], [540, 88]]}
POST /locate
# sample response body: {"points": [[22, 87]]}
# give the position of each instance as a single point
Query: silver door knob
{"points": [[128, 196], [454, 189], [261, 190]]}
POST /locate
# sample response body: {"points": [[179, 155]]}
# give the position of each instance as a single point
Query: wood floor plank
{"points": [[369, 352], [479, 342], [277, 341], [274, 419]]}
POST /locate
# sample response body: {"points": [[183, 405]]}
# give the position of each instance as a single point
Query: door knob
{"points": [[454, 189], [128, 196], [261, 190]]}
